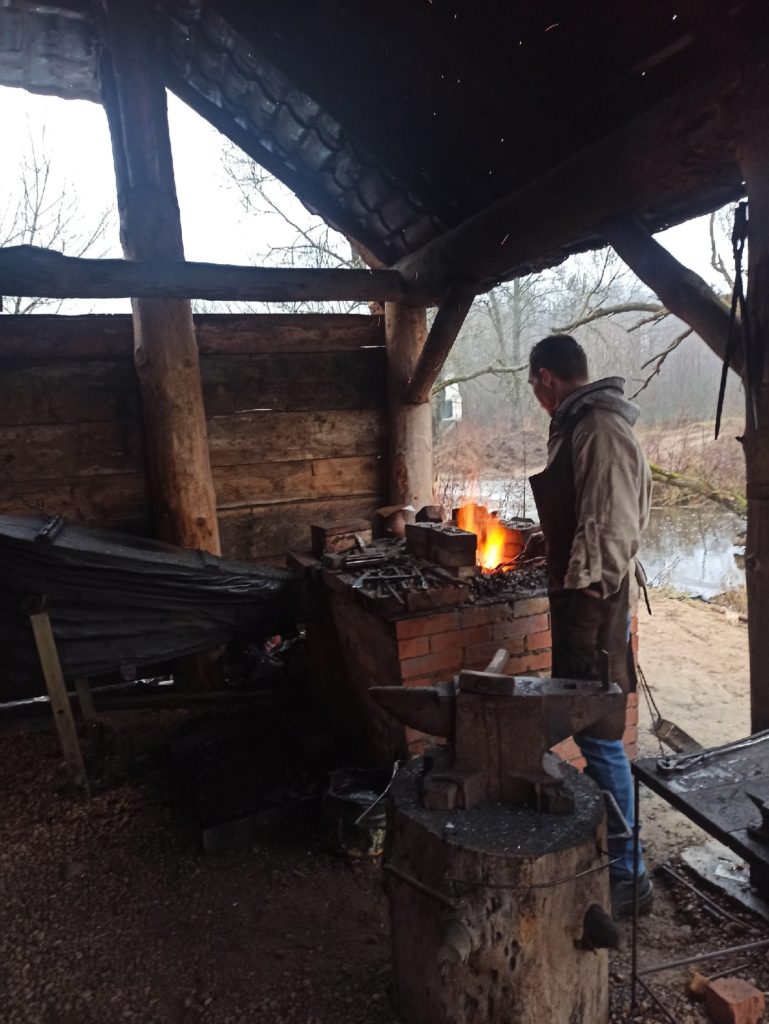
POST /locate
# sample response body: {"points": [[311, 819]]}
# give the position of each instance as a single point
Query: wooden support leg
{"points": [[57, 693], [85, 700], [411, 430]]}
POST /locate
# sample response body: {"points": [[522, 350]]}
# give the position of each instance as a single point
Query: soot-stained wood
{"points": [[236, 384], [268, 530]]}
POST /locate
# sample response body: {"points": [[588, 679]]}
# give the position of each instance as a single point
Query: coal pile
{"points": [[528, 581]]}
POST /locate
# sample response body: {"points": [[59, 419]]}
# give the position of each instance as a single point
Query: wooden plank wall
{"points": [[296, 420]]}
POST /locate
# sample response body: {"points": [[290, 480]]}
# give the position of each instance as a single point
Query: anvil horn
{"points": [[427, 708]]}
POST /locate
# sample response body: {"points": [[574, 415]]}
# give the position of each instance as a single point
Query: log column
{"points": [[165, 349], [410, 424], [754, 161]]}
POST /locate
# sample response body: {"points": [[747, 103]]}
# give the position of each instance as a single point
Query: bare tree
{"points": [[654, 312], [45, 211], [305, 239]]}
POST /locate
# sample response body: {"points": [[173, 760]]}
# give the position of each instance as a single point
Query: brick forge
{"points": [[353, 648]]}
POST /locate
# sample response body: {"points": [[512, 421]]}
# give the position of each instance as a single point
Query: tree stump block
{"points": [[487, 909]]}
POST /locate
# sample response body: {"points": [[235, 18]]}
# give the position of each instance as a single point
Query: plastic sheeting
{"points": [[118, 602]]}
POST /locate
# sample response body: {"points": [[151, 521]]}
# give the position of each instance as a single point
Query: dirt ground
{"points": [[109, 912]]}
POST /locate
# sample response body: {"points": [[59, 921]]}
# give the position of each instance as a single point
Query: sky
{"points": [[215, 226]]}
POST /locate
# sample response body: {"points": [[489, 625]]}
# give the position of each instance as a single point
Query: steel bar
{"points": [[653, 995], [723, 914], [697, 958], [420, 886]]}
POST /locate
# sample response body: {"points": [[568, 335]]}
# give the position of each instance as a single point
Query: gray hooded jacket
{"points": [[612, 483]]}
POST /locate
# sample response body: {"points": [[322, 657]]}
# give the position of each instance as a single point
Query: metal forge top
{"points": [[500, 729]]}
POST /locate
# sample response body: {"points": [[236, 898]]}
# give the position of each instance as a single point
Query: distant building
{"points": [[450, 405]]}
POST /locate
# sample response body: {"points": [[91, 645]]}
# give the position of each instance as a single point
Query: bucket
{"points": [[354, 816]]}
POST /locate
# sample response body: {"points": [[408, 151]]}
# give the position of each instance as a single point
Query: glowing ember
{"points": [[498, 545]]}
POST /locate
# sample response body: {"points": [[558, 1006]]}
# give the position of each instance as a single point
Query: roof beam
{"points": [[682, 291], [681, 152], [28, 270], [443, 333]]}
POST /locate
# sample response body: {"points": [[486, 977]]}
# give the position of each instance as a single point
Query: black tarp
{"points": [[118, 602]]}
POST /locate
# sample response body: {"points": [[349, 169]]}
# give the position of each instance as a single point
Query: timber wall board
{"points": [[296, 409]]}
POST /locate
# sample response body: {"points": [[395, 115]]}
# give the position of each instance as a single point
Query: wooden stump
{"points": [[487, 910]]}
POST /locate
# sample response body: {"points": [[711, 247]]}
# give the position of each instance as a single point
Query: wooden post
{"points": [[443, 333], [85, 700], [410, 424], [166, 354], [57, 694], [754, 161]]}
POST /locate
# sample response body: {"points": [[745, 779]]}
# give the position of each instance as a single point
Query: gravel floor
{"points": [[110, 913]]}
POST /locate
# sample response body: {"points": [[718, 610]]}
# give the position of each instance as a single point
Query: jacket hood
{"points": [[606, 394]]}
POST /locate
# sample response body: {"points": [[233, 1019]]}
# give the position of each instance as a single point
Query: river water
{"points": [[690, 550]]}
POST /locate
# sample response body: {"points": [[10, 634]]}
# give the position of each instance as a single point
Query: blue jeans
{"points": [[607, 764]]}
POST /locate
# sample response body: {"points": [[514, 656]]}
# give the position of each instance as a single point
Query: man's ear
{"points": [[546, 377]]}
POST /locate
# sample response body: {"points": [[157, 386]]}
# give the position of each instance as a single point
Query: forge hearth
{"points": [[384, 616]]}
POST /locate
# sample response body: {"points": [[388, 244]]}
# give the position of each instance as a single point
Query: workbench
{"points": [[712, 791], [713, 788]]}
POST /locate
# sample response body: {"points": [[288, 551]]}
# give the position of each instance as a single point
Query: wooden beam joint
{"points": [[443, 333]]}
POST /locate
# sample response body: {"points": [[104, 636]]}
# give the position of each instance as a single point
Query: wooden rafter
{"points": [[443, 333], [682, 291], [27, 270]]}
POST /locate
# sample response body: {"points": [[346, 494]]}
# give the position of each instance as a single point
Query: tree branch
{"points": [[605, 311], [497, 369], [659, 359], [734, 502], [681, 291]]}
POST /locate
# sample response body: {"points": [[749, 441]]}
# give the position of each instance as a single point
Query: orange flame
{"points": [[493, 537]]}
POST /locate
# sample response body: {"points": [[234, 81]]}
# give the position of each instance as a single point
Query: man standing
{"points": [[593, 503]]}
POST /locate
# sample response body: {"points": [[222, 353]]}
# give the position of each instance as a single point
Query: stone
{"points": [[734, 1001]]}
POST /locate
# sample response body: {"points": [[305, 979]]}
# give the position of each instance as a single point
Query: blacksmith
{"points": [[593, 503]]}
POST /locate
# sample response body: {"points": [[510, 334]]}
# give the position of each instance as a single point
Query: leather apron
{"points": [[582, 626]]}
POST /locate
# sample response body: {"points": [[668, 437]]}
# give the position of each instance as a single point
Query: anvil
{"points": [[500, 729]]}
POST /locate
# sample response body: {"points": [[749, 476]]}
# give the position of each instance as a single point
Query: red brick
{"points": [[418, 681], [568, 751], [631, 749], [539, 641], [634, 643], [528, 663], [425, 625], [480, 654], [531, 606], [521, 627], [483, 614], [632, 700], [415, 647], [459, 638], [429, 664], [733, 1001], [631, 716], [634, 625]]}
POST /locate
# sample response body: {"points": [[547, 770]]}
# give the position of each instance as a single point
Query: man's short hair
{"points": [[562, 355]]}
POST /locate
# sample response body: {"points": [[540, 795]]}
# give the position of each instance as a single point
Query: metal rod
{"points": [[533, 885], [634, 948], [723, 914], [702, 956], [653, 995], [420, 886]]}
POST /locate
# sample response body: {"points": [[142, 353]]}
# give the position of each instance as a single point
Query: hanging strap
{"points": [[739, 234]]}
